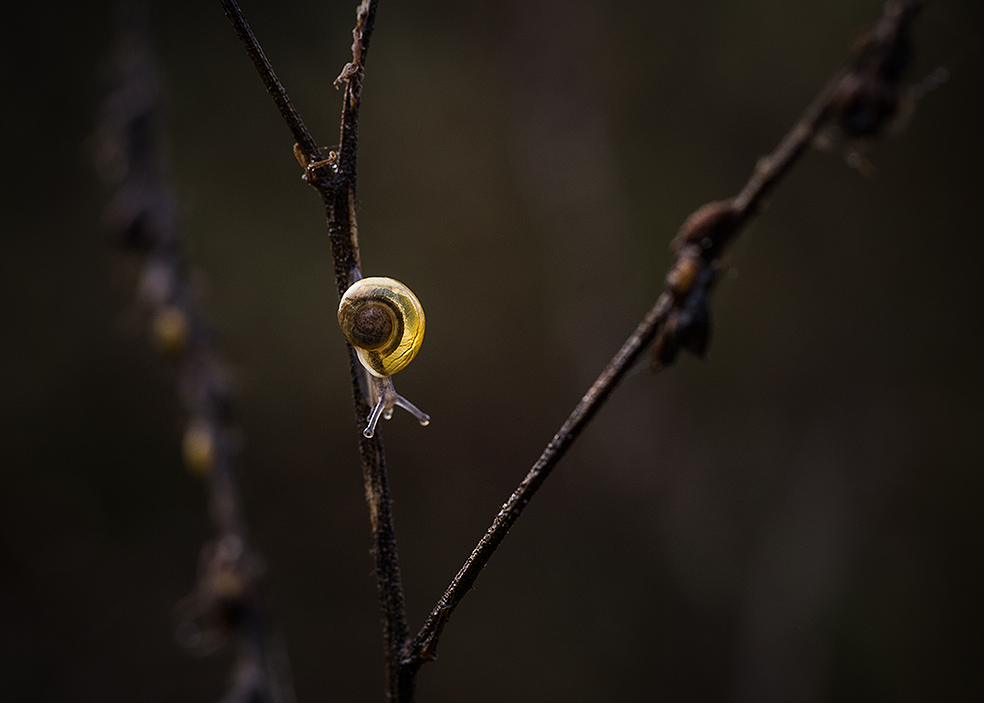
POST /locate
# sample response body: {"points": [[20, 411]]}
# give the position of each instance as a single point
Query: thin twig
{"points": [[301, 134], [334, 178], [865, 93]]}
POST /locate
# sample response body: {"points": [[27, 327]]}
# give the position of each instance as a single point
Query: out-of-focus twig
{"points": [[143, 219], [859, 102]]}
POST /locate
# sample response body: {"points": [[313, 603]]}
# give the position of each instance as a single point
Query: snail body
{"points": [[384, 322]]}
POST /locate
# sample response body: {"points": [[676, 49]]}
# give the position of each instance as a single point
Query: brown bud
{"points": [[198, 447], [170, 330], [681, 277], [708, 228]]}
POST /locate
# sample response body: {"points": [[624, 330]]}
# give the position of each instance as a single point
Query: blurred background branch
{"points": [[143, 219]]}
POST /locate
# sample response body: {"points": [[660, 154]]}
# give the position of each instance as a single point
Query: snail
{"points": [[383, 320]]}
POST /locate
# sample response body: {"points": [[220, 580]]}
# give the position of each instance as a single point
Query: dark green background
{"points": [[796, 518]]}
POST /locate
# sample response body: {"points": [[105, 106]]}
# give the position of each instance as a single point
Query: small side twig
{"points": [[860, 100], [301, 134]]}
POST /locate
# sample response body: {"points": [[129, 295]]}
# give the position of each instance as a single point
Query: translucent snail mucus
{"points": [[384, 322]]}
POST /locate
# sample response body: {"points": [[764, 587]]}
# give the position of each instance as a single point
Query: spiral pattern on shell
{"points": [[384, 321]]}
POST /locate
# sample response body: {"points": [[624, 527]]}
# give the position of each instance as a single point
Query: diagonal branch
{"points": [[860, 100], [301, 134], [424, 645]]}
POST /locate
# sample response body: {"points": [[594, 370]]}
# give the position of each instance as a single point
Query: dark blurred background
{"points": [[795, 518]]}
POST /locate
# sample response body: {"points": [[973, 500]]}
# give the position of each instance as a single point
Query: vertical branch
{"points": [[396, 631], [340, 200], [343, 231], [334, 177]]}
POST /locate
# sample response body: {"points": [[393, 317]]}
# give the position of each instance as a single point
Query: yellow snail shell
{"points": [[384, 322]]}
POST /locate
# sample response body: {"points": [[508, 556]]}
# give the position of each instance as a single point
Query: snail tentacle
{"points": [[385, 398]]}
